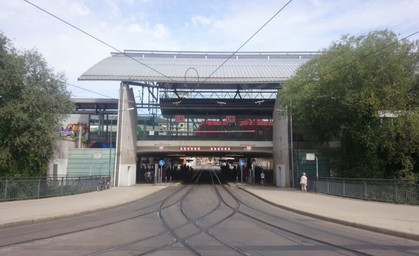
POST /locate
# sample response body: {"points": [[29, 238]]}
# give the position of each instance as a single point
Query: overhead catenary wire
{"points": [[97, 39], [250, 38], [79, 87]]}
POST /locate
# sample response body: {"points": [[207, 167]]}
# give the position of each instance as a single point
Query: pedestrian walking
{"points": [[303, 182], [149, 176], [262, 178]]}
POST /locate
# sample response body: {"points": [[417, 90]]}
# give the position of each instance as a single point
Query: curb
{"points": [[63, 216], [341, 222]]}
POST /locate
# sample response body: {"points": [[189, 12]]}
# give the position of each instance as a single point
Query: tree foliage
{"points": [[363, 93], [33, 100]]}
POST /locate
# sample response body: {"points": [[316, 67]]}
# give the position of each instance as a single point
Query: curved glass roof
{"points": [[198, 67]]}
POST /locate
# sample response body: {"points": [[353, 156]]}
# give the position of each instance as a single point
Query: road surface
{"points": [[204, 217]]}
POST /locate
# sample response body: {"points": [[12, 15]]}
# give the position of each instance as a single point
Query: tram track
{"points": [[206, 230], [235, 210], [180, 226], [92, 227], [259, 220]]}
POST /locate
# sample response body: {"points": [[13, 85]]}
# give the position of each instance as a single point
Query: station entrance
{"points": [[178, 168], [182, 108]]}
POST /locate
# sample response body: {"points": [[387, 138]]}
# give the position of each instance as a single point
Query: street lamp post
{"points": [[317, 167], [110, 147]]}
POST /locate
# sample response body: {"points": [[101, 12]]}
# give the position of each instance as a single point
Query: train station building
{"points": [[180, 106]]}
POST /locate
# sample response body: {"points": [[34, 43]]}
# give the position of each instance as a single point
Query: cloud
{"points": [[198, 21], [78, 9], [191, 25]]}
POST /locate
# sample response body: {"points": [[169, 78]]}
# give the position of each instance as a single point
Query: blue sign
{"points": [[161, 162], [241, 162]]}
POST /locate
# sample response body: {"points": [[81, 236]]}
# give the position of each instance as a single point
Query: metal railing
{"points": [[383, 190], [35, 188]]}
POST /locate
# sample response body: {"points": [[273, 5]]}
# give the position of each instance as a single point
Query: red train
{"points": [[247, 128]]}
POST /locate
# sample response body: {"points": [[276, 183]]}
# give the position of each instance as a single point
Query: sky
{"points": [[189, 25]]}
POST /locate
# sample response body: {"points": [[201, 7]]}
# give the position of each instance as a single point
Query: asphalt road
{"points": [[201, 218]]}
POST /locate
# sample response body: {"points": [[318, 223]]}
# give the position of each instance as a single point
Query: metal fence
{"points": [[393, 191], [31, 188]]}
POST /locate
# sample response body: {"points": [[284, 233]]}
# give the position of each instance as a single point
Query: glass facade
{"points": [[102, 133], [221, 127], [103, 127]]}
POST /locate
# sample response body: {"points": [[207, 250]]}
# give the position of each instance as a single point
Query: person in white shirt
{"points": [[262, 178], [303, 182]]}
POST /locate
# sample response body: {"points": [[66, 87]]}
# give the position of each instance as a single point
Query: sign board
{"points": [[97, 155], [241, 162], [220, 148], [190, 148], [310, 156], [161, 162], [231, 119], [179, 118]]}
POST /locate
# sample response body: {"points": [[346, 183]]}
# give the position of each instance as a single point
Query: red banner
{"points": [[179, 118], [231, 119]]}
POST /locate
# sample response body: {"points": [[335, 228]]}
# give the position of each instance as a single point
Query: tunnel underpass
{"points": [[201, 168]]}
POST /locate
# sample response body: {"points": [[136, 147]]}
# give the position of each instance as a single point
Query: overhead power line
{"points": [[96, 38], [250, 38], [79, 87]]}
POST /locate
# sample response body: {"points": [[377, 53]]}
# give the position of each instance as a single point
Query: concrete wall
{"points": [[126, 144], [76, 118], [63, 144], [168, 146], [60, 158]]}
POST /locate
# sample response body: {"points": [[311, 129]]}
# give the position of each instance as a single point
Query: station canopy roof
{"points": [[209, 69], [95, 105]]}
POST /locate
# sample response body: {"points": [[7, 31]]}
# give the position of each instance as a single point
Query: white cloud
{"points": [[78, 9], [135, 28], [219, 25], [160, 31], [198, 21]]}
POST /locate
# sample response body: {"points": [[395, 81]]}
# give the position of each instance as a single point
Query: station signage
{"points": [[231, 119], [220, 148], [179, 118], [186, 148], [190, 148]]}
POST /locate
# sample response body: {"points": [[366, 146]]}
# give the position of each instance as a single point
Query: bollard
{"points": [[5, 190], [62, 185], [237, 179], [39, 188], [170, 179], [165, 180], [396, 192], [365, 191]]}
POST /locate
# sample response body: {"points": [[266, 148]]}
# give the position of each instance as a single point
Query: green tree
{"points": [[361, 95], [33, 100]]}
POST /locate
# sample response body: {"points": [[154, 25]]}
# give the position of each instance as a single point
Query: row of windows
{"points": [[155, 127]]}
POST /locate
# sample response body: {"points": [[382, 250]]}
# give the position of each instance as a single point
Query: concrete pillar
{"points": [[281, 146], [126, 144]]}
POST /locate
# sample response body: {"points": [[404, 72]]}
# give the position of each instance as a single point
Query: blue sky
{"points": [[218, 25]]}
